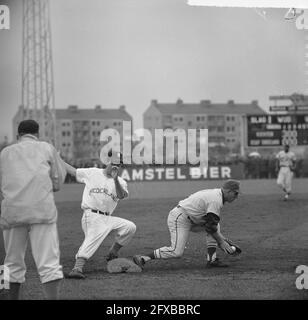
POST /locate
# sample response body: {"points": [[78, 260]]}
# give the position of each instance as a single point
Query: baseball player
{"points": [[30, 171], [103, 189], [199, 212], [285, 164]]}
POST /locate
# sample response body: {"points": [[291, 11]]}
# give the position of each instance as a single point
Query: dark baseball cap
{"points": [[231, 184], [116, 158], [28, 127]]}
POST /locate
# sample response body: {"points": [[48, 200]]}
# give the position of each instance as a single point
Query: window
{"points": [[63, 144], [98, 123], [93, 123], [63, 134], [198, 118], [228, 118], [232, 129], [68, 133], [63, 124]]}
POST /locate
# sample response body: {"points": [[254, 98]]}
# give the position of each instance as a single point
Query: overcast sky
{"points": [[128, 52]]}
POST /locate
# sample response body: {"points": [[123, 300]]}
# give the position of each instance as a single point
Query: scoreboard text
{"points": [[277, 130]]}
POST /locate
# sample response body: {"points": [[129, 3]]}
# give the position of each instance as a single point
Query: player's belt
{"points": [[100, 212], [188, 217]]}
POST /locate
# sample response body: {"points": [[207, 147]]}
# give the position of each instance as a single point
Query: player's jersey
{"points": [[202, 202], [285, 158], [99, 192]]}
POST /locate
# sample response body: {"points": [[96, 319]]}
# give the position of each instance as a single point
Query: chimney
{"points": [[154, 103], [98, 108], [179, 102], [254, 102], [205, 103], [72, 108], [122, 108], [231, 102]]}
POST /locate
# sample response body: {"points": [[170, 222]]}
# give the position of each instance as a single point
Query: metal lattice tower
{"points": [[38, 98]]}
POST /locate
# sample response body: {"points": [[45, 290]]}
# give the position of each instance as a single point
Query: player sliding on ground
{"points": [[199, 212], [103, 189]]}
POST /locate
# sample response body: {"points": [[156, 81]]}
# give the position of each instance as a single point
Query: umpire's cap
{"points": [[28, 127], [231, 184]]}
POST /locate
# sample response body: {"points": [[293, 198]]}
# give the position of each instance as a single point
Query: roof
{"points": [[74, 113], [209, 108]]}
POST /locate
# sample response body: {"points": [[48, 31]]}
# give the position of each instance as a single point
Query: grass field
{"points": [[273, 235]]}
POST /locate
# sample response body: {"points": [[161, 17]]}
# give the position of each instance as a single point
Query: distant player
{"points": [[285, 165], [103, 189], [199, 212]]}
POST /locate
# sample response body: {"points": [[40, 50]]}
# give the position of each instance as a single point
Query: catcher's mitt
{"points": [[237, 251], [121, 265]]}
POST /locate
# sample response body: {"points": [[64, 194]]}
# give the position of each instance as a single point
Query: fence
{"points": [[251, 168]]}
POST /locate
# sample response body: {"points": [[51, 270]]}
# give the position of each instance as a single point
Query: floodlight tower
{"points": [[38, 98]]}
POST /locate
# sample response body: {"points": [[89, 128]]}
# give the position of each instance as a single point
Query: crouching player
{"points": [[199, 212]]}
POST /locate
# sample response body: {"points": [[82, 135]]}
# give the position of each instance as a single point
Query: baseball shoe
{"points": [[216, 263], [111, 256], [76, 274], [139, 260]]}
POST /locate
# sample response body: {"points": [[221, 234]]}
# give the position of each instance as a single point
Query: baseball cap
{"points": [[231, 184], [116, 158], [28, 127]]}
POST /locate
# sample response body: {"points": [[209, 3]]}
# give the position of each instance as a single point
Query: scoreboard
{"points": [[277, 130]]}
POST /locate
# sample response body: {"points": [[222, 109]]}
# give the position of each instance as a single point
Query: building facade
{"points": [[225, 121], [78, 130]]}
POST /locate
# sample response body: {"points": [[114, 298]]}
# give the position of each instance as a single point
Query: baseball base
{"points": [[122, 265]]}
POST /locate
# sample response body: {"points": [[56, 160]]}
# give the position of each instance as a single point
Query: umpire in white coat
{"points": [[30, 171]]}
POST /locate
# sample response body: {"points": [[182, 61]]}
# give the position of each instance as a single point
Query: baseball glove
{"points": [[237, 251], [121, 265]]}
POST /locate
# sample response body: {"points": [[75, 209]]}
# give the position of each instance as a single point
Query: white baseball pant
{"points": [[96, 228], [44, 243], [284, 179], [179, 227]]}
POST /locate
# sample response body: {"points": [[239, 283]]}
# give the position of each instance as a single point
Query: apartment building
{"points": [[78, 130], [225, 121]]}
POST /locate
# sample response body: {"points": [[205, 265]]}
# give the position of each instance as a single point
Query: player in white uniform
{"points": [[199, 212], [286, 161], [103, 189]]}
